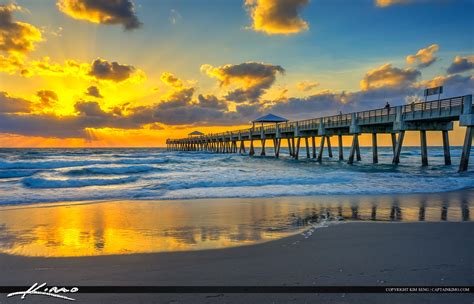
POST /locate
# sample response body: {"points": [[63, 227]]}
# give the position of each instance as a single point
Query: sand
{"points": [[359, 253]]}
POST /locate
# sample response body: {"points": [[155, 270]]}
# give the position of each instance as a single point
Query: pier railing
{"points": [[443, 108]]}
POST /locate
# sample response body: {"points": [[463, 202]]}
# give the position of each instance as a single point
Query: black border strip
{"points": [[255, 289]]}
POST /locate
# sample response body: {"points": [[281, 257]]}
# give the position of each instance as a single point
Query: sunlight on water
{"points": [[87, 229]]}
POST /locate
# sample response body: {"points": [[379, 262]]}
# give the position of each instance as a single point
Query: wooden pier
{"points": [[437, 115]]}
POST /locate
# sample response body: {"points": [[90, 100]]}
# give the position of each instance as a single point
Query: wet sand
{"points": [[358, 253]]}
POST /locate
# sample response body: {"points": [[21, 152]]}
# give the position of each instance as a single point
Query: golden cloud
{"points": [[452, 81], [102, 11], [387, 76], [385, 3], [277, 17], [424, 57], [171, 80], [306, 86], [16, 37], [11, 64]]}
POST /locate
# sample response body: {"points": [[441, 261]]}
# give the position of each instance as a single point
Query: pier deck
{"points": [[437, 115]]}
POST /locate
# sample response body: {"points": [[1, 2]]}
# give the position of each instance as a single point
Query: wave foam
{"points": [[111, 170], [39, 183]]}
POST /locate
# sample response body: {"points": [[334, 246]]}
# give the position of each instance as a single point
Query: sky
{"points": [[114, 73]]}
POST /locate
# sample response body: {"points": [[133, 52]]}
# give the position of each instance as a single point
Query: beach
{"points": [[420, 246], [354, 254]]}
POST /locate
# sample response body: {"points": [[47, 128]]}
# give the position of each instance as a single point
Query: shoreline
{"points": [[4, 206]]}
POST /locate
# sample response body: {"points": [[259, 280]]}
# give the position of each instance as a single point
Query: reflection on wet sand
{"points": [[102, 228]]}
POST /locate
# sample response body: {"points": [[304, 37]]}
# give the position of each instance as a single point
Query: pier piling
{"points": [[424, 148], [329, 146], [375, 157], [398, 147], [321, 149], [355, 143], [341, 147], [306, 142], [447, 153], [297, 152], [466, 149], [263, 147]]}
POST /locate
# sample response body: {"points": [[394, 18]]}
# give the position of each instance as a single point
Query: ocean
{"points": [[58, 175]]}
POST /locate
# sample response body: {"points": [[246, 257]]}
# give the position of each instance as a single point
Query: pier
{"points": [[436, 115]]}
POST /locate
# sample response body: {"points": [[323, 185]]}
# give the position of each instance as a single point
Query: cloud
{"points": [[454, 84], [387, 76], [10, 104], [16, 37], [99, 70], [317, 104], [113, 71], [251, 78], [385, 3], [89, 108], [102, 11], [277, 17], [306, 86], [89, 116], [179, 95], [47, 98], [461, 64], [11, 64], [175, 16], [171, 80], [212, 102], [424, 57], [94, 92]]}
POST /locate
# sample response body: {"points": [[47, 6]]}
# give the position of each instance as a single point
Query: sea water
{"points": [[58, 175]]}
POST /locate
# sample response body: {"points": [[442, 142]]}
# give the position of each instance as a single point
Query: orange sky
{"points": [[85, 76]]}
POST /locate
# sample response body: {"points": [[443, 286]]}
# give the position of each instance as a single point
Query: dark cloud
{"points": [[461, 64], [252, 79], [105, 70], [16, 37], [177, 98], [90, 108], [102, 11], [47, 98], [94, 92], [212, 102], [10, 104]]}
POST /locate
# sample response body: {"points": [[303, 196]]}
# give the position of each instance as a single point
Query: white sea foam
{"points": [[39, 183], [111, 170]]}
